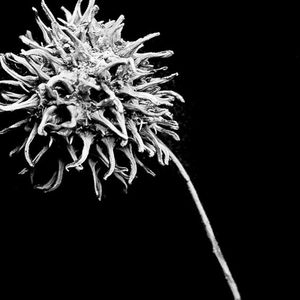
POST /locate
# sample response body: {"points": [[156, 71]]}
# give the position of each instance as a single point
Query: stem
{"points": [[208, 228]]}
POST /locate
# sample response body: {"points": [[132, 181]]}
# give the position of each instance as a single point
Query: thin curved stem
{"points": [[208, 228]]}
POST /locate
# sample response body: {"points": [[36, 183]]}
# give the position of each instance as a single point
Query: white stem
{"points": [[208, 228]]}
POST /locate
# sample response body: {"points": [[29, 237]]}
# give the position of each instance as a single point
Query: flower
{"points": [[85, 82]]}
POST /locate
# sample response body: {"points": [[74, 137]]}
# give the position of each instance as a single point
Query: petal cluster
{"points": [[85, 83]]}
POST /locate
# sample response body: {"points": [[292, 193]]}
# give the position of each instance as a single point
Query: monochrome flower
{"points": [[85, 82]]}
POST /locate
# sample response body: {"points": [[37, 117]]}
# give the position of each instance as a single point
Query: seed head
{"points": [[85, 82]]}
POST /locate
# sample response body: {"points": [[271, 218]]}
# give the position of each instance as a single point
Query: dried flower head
{"points": [[85, 82]]}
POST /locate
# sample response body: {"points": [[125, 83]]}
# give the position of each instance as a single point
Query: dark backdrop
{"points": [[150, 241]]}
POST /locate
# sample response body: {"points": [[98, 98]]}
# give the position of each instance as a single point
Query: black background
{"points": [[150, 241]]}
